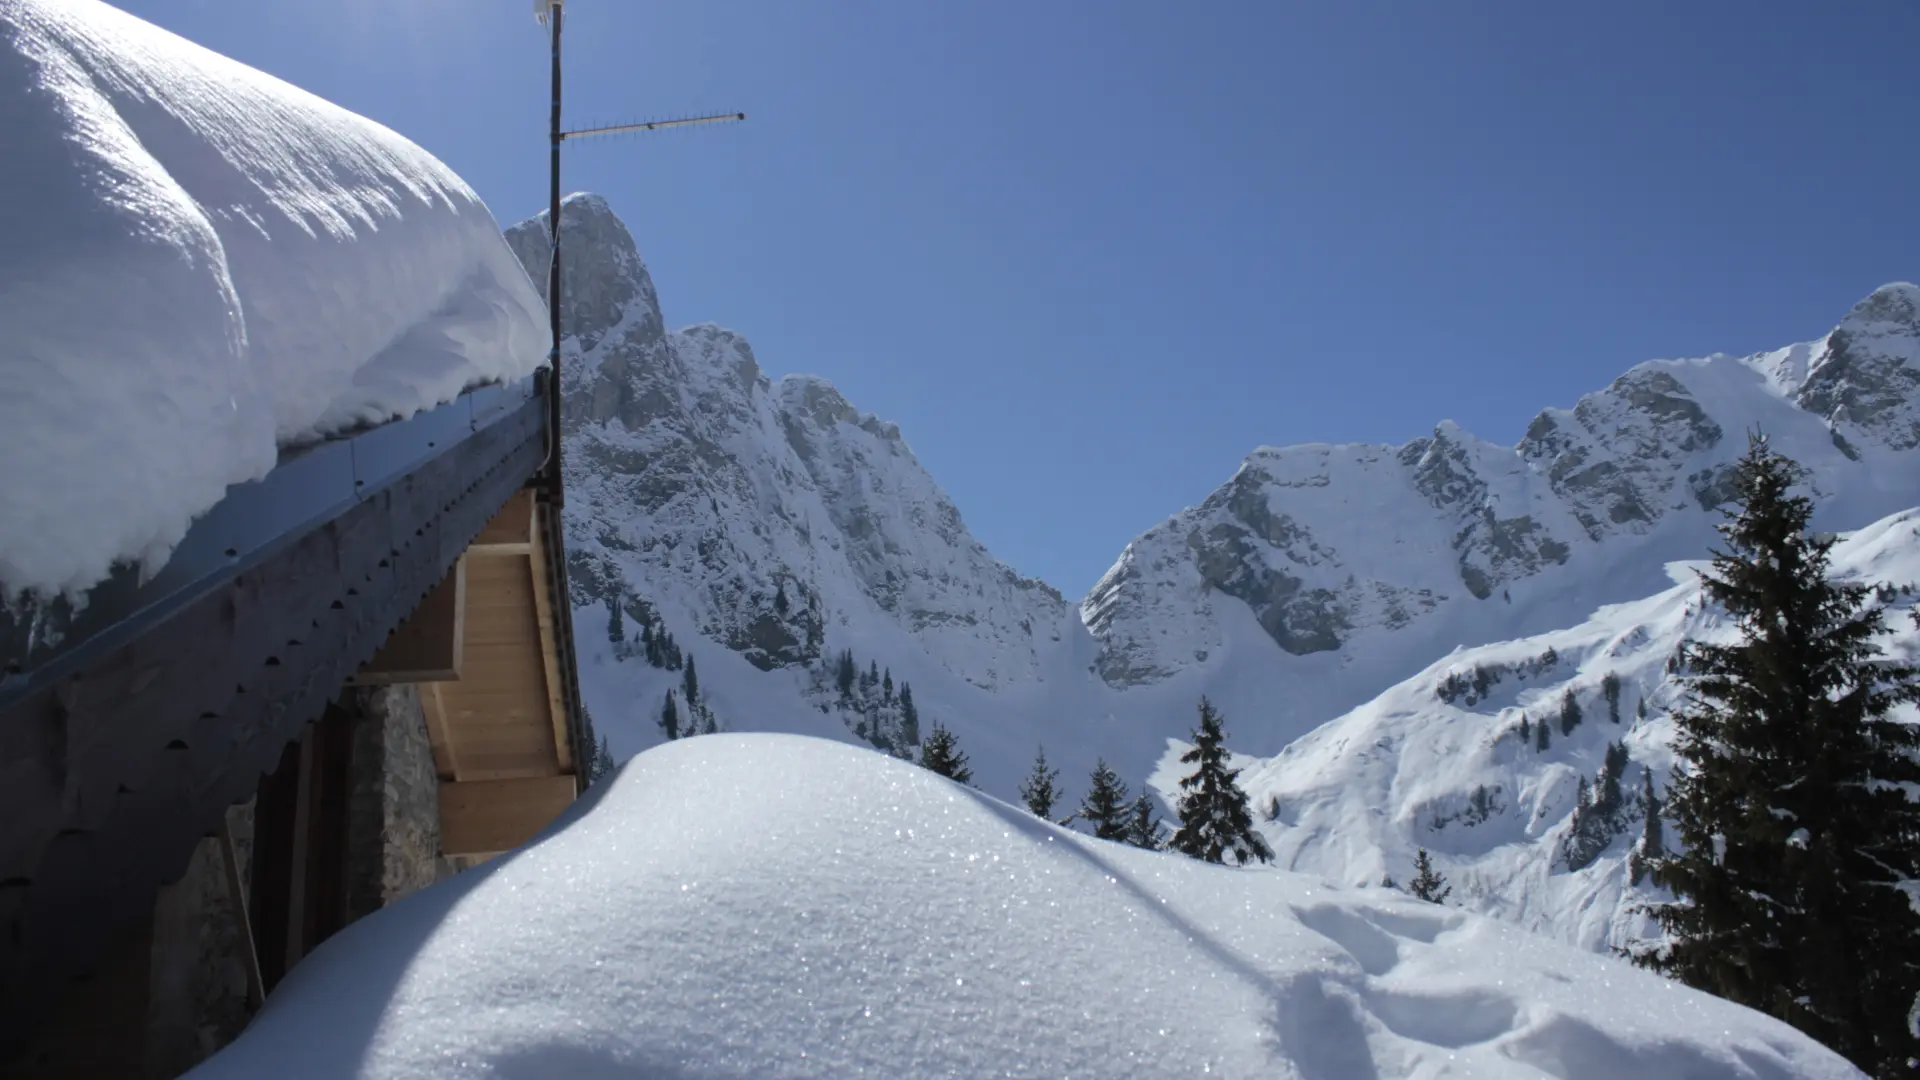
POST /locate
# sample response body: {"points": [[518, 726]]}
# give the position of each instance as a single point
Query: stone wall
{"points": [[393, 808], [197, 979]]}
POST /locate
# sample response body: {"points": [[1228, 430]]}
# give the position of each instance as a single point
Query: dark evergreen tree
{"points": [[909, 717], [1542, 736], [670, 718], [846, 673], [1796, 831], [1526, 729], [690, 682], [1214, 821], [1606, 797], [1640, 708], [1653, 841], [616, 630], [1428, 884], [1570, 715], [1105, 806], [1143, 826], [780, 602], [886, 687], [1610, 689], [1038, 790], [942, 754], [602, 765]]}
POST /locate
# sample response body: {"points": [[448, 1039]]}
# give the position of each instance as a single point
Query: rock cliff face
{"points": [[1333, 545], [763, 512]]}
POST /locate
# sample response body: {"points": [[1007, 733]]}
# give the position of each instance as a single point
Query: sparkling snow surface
{"points": [[772, 906], [203, 263]]}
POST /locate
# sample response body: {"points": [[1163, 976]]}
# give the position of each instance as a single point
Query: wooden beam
{"points": [[431, 644], [511, 530], [549, 646], [439, 732], [479, 817]]}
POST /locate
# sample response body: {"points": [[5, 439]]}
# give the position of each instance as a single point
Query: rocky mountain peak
{"points": [[1330, 545], [764, 513]]}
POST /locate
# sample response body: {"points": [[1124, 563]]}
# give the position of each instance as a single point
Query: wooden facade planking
{"points": [[549, 645], [428, 647], [481, 817]]}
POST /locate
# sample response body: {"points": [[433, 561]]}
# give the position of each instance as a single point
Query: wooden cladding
{"points": [[481, 817], [428, 647]]}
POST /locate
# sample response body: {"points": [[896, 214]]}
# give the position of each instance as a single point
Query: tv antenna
{"points": [[552, 14]]}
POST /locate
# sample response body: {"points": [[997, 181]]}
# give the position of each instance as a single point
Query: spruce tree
{"points": [[1038, 790], [845, 674], [1610, 689], [886, 686], [942, 754], [690, 681], [1143, 826], [1570, 715], [1428, 884], [670, 718], [1542, 735], [1795, 831], [1214, 821], [909, 717], [1105, 806], [1653, 841], [616, 629]]}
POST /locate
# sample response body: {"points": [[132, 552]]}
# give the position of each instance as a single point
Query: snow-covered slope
{"points": [[766, 906], [1451, 759], [203, 264]]}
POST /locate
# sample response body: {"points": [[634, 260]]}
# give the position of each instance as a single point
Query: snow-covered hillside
{"points": [[767, 906], [1454, 760], [202, 265]]}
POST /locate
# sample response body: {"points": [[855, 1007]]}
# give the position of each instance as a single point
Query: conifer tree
{"points": [[780, 603], [886, 687], [1105, 806], [1526, 729], [1570, 715], [942, 754], [1038, 790], [603, 764], [1143, 826], [1428, 884], [670, 718], [616, 629], [1796, 833], [909, 717], [1653, 841], [1214, 820], [1610, 689], [845, 674], [690, 682], [1542, 736]]}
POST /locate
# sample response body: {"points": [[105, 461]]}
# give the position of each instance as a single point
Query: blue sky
{"points": [[1090, 255]]}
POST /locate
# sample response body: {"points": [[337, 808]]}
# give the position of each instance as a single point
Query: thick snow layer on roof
{"points": [[777, 906], [202, 264]]}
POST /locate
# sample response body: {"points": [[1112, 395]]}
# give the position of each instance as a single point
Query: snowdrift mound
{"points": [[203, 264], [1528, 825], [775, 906]]}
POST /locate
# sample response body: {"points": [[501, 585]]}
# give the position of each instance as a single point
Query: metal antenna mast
{"points": [[551, 14]]}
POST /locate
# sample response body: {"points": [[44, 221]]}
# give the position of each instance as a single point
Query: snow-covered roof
{"points": [[202, 265], [778, 906]]}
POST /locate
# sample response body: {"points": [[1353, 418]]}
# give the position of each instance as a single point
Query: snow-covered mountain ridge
{"points": [[759, 513], [1454, 760], [1337, 547], [769, 526]]}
